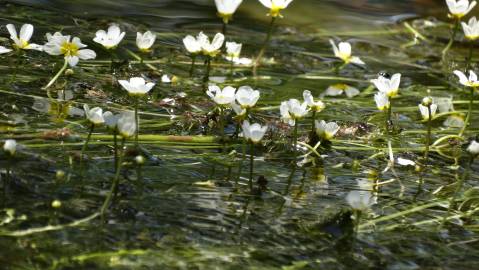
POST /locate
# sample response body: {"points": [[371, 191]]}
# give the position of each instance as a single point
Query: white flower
{"points": [[471, 29], [226, 8], [247, 97], [109, 39], [137, 86], [459, 8], [293, 110], [405, 162], [388, 86], [22, 41], [326, 130], [338, 89], [192, 45], [382, 101], [73, 51], [316, 106], [126, 124], [111, 120], [10, 146], [360, 200], [165, 78], [343, 52], [254, 132], [242, 61], [471, 81], [473, 148], [233, 50], [4, 50], [239, 111], [275, 6], [221, 97], [425, 111], [145, 41], [210, 48], [95, 115]]}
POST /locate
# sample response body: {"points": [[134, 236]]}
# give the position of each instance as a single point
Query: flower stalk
{"points": [[257, 61], [55, 78], [251, 165], [469, 113], [453, 36], [116, 180]]}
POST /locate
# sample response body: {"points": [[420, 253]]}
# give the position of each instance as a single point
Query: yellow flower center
{"points": [[24, 44], [275, 10], [69, 49], [225, 16]]}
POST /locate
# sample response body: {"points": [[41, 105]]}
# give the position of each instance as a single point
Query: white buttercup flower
{"points": [[425, 111], [136, 86], [471, 29], [22, 41], [253, 133], [126, 124], [316, 106], [145, 41], [73, 51], [239, 111], [10, 146], [473, 148], [360, 200], [338, 89], [4, 50], [221, 97], [95, 115], [226, 8], [388, 86], [471, 81], [111, 38], [210, 48], [459, 8], [326, 130], [343, 52], [247, 96], [192, 45], [382, 101], [233, 50], [275, 6], [111, 120], [293, 110]]}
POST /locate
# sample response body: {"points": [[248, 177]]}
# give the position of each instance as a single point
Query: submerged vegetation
{"points": [[176, 150]]}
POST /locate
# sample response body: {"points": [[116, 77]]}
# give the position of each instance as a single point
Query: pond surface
{"points": [[189, 205]]}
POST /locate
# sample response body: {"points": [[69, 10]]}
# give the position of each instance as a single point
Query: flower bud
{"points": [[10, 146], [427, 101], [60, 174], [69, 72], [473, 148], [140, 160], [56, 204]]}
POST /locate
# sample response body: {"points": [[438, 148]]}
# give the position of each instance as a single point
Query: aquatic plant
{"points": [[253, 134], [226, 9]]}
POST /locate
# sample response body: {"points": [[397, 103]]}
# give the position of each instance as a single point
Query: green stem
{"points": [[193, 61], [460, 183], [55, 78], [115, 145], [231, 68], [313, 123], [222, 127], [137, 122], [114, 185], [208, 70], [85, 145], [295, 142], [223, 30], [469, 57], [243, 147], [469, 113], [251, 164], [453, 36], [428, 138], [257, 61]]}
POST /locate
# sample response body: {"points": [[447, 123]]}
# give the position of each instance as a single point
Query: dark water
{"points": [[186, 211]]}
